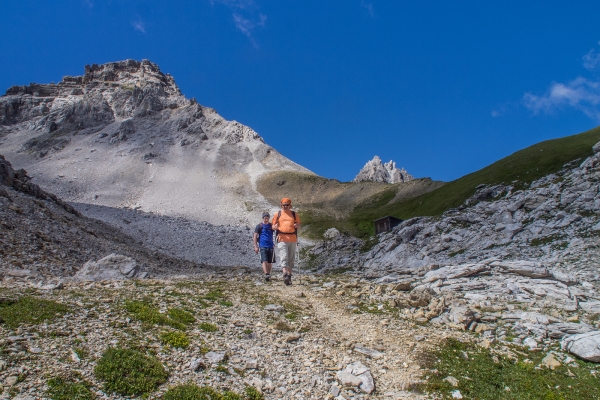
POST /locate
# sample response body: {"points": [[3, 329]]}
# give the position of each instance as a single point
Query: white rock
{"points": [[214, 357], [584, 345], [347, 379]]}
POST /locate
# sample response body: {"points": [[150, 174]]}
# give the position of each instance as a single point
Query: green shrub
{"points": [[180, 315], [62, 389], [150, 314], [252, 393], [30, 310], [129, 372], [191, 391], [484, 374], [175, 339], [208, 327]]}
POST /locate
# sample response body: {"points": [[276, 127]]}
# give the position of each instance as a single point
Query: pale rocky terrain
{"points": [[375, 170], [303, 355]]}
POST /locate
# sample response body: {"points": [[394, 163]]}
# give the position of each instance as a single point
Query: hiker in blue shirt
{"points": [[263, 240]]}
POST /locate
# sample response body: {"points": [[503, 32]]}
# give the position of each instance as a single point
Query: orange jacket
{"points": [[287, 232]]}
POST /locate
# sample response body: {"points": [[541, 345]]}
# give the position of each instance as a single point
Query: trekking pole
{"points": [[298, 262]]}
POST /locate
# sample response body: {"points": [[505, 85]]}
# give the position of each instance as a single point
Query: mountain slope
{"points": [[518, 169], [123, 135]]}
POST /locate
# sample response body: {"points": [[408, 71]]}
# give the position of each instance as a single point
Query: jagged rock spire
{"points": [[377, 171]]}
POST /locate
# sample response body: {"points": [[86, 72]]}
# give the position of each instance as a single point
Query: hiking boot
{"points": [[267, 277], [287, 279]]}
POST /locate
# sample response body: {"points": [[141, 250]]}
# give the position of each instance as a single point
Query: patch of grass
{"points": [[252, 393], [180, 315], [208, 327], [81, 352], [63, 389], [247, 331], [369, 243], [191, 391], [30, 310], [222, 369], [292, 316], [456, 253], [175, 339], [214, 295], [129, 372], [226, 303], [150, 314], [485, 375], [542, 241]]}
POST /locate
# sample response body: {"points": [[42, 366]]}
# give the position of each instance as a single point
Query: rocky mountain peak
{"points": [[135, 124], [376, 171]]}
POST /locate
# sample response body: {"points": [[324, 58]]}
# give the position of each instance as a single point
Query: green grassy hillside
{"points": [[520, 168]]}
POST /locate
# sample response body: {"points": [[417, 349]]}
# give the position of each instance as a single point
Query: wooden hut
{"points": [[386, 224]]}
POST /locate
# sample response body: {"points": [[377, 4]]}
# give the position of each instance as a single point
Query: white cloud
{"points": [[591, 61], [369, 7], [244, 16], [139, 26], [246, 26], [581, 94]]}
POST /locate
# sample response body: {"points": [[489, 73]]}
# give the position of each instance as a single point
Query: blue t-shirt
{"points": [[265, 235]]}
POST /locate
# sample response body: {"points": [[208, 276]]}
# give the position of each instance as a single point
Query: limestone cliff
{"points": [[377, 171]]}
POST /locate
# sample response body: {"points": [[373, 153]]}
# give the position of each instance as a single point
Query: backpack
{"points": [[279, 216]]}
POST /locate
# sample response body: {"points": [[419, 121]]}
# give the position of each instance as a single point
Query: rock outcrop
{"points": [[377, 171], [553, 222]]}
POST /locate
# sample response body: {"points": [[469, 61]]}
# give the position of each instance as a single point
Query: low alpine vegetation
{"points": [[129, 372], [480, 373], [30, 310], [208, 327], [179, 315], [191, 391], [150, 314], [175, 339], [63, 389]]}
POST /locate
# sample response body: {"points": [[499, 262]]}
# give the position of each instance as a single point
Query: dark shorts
{"points": [[267, 255]]}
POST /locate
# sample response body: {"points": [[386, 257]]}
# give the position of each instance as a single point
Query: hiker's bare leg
{"points": [[287, 271], [267, 267]]}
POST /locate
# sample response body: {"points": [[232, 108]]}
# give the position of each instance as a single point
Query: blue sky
{"points": [[443, 88]]}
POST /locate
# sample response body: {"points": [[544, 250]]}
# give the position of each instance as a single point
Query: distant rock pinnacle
{"points": [[377, 171]]}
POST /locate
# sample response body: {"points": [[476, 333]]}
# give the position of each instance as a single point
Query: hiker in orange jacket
{"points": [[286, 223]]}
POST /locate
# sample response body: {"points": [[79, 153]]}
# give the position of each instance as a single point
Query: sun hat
{"points": [[285, 200]]}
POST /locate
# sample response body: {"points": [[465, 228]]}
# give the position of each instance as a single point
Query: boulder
{"points": [[111, 267], [531, 269], [331, 233], [455, 271], [583, 345]]}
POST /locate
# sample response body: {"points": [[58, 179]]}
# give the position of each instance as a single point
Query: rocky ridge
{"points": [[375, 170], [123, 135]]}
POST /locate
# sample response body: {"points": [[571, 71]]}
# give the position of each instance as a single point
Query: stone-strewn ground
{"points": [[289, 342], [300, 363]]}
